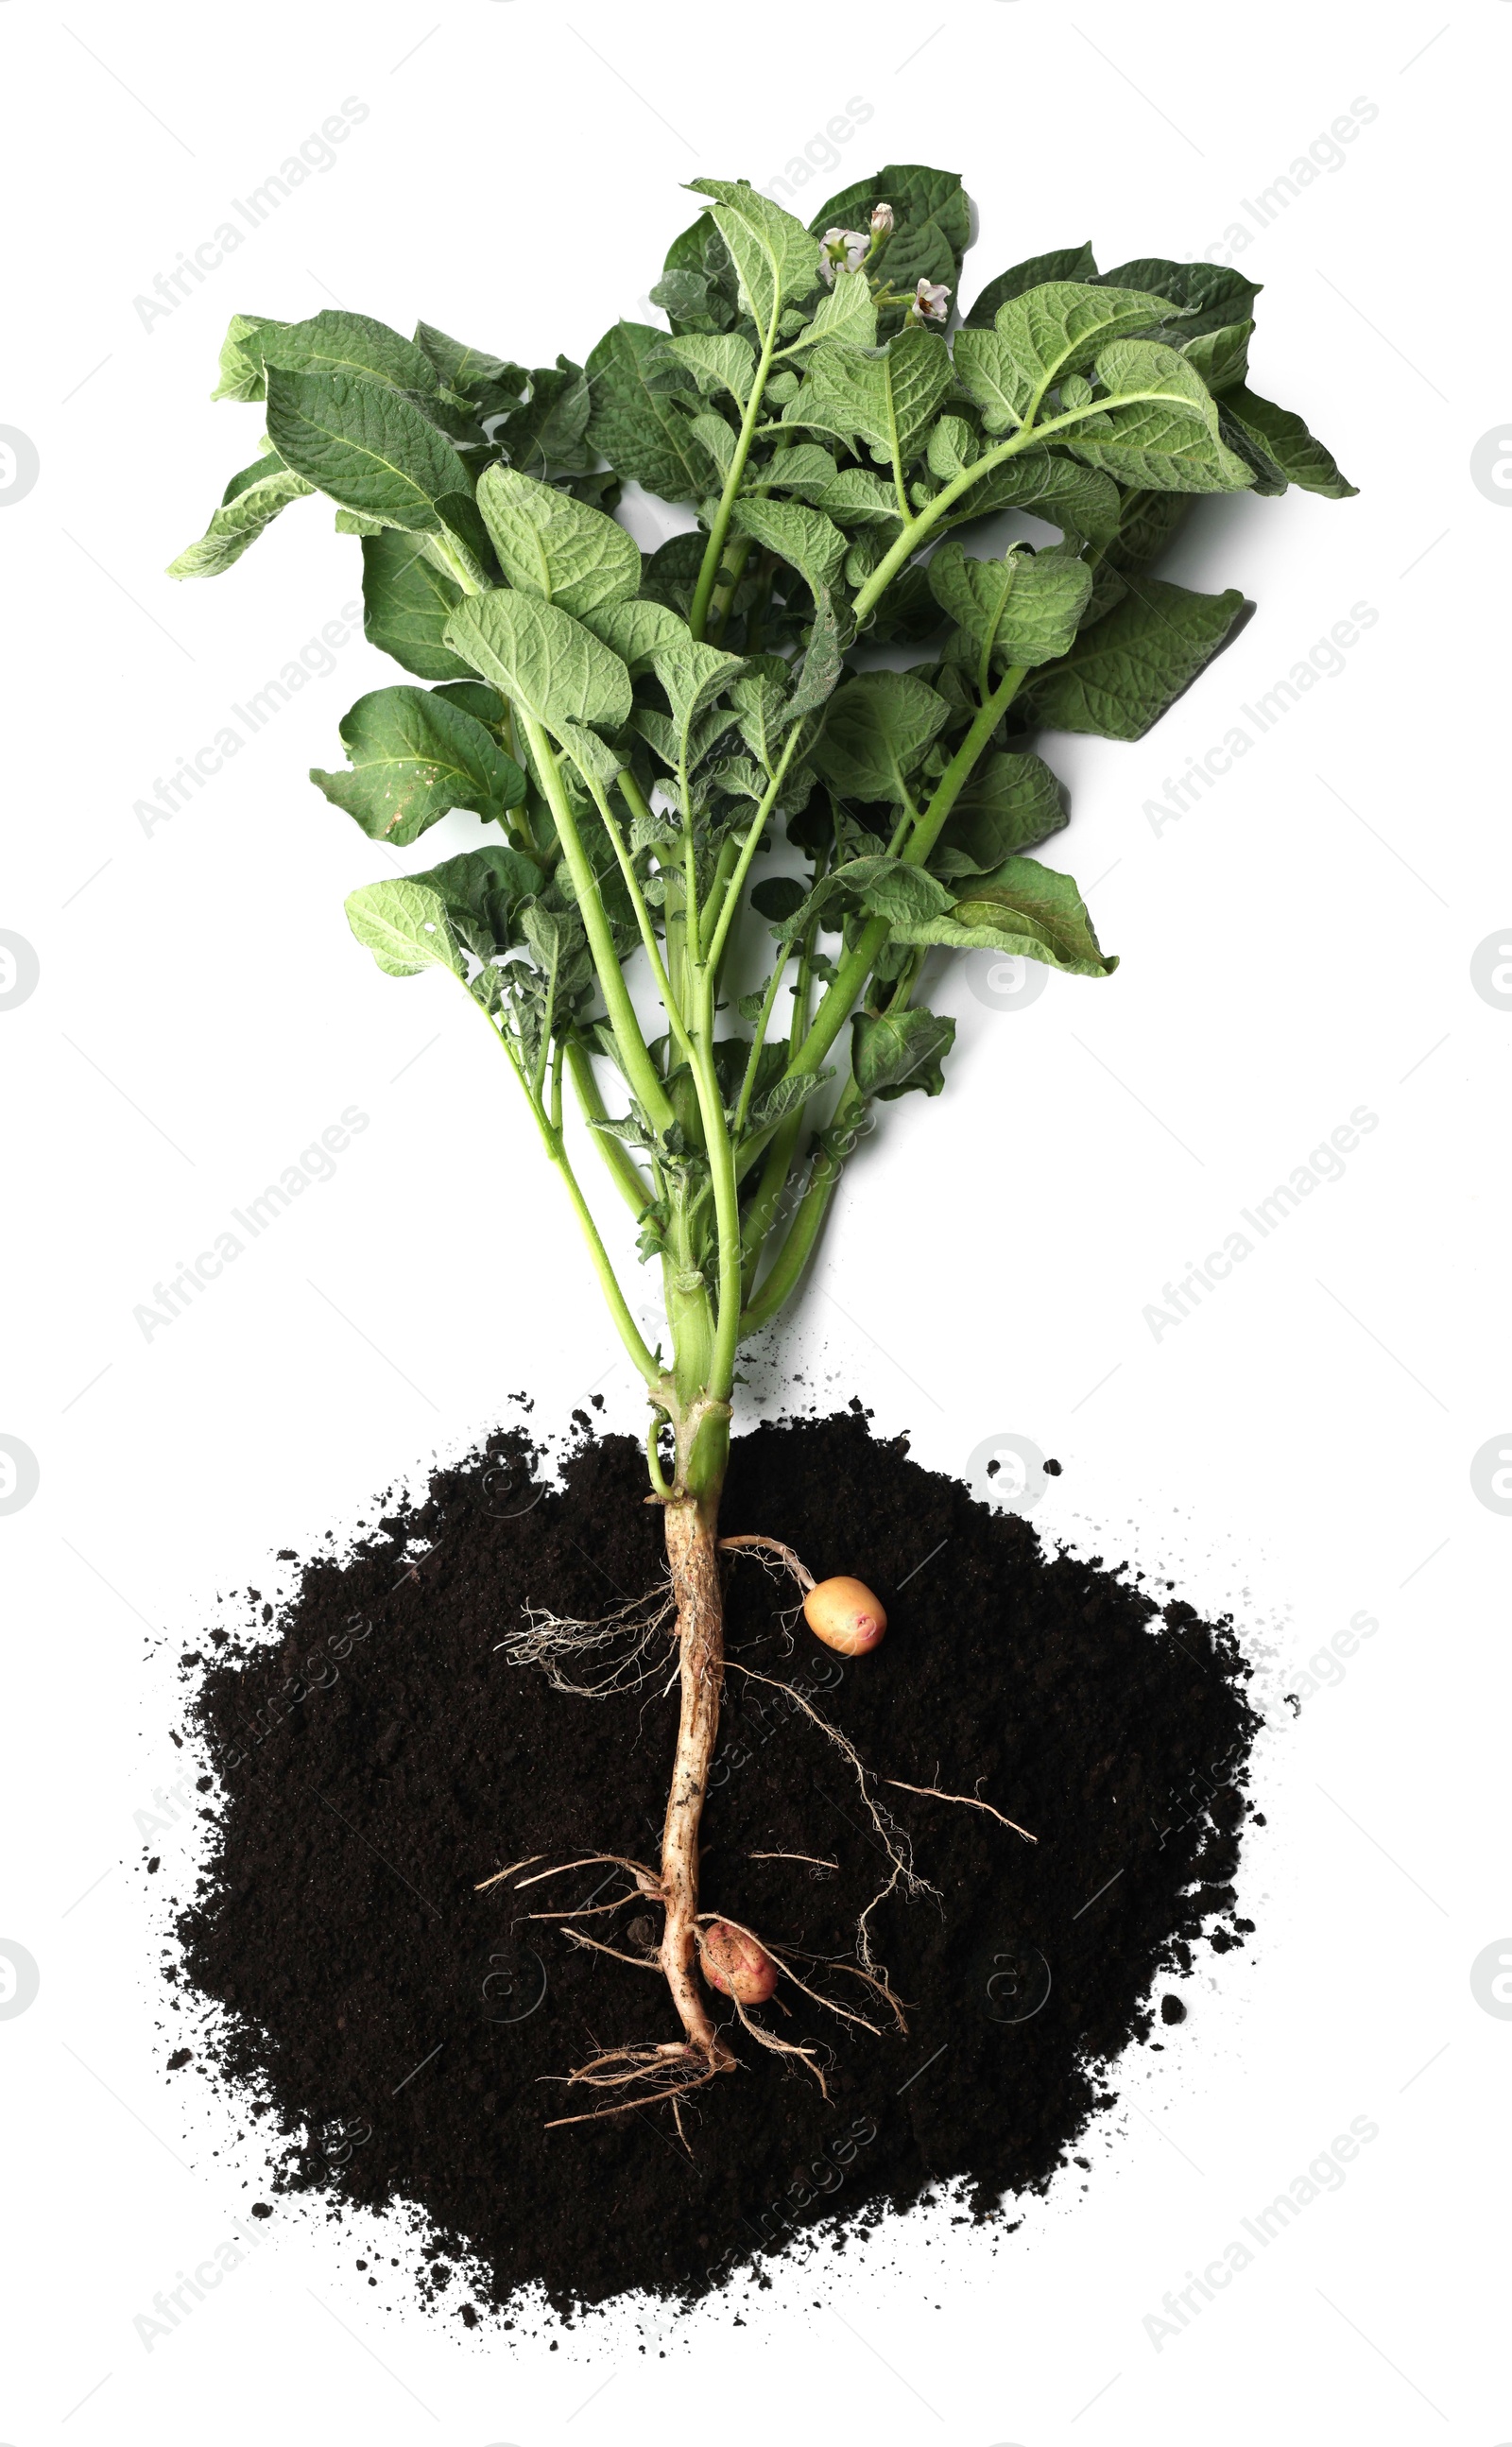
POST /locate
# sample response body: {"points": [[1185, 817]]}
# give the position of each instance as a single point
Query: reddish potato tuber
{"points": [[735, 1965], [845, 1615]]}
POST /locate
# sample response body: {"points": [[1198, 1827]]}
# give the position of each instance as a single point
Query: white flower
{"points": [[842, 249], [929, 301], [882, 220]]}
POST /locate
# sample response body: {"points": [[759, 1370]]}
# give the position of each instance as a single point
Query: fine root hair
{"points": [[619, 1652]]}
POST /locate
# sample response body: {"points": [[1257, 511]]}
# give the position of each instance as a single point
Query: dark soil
{"points": [[339, 1926]]}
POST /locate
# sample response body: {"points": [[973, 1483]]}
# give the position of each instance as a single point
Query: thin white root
{"points": [[786, 1556], [894, 1842], [806, 2056], [843, 2012], [967, 1800], [628, 1642], [641, 1961], [669, 2069], [509, 1872], [810, 1857], [595, 1861]]}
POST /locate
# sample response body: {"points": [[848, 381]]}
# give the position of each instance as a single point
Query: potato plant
{"points": [[839, 659]]}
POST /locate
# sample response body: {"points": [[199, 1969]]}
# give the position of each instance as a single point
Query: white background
{"points": [[1298, 944]]}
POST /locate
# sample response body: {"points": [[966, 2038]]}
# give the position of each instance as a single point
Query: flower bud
{"points": [[882, 220], [735, 1964]]}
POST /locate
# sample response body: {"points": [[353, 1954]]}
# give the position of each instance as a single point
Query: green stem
{"points": [[752, 841], [627, 1174], [715, 549], [920, 525], [753, 1060], [639, 1069]]}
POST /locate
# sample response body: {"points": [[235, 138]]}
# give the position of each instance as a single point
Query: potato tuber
{"points": [[845, 1615], [735, 1965]]}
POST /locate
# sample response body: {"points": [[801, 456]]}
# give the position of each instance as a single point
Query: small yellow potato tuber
{"points": [[735, 1965], [845, 1615]]}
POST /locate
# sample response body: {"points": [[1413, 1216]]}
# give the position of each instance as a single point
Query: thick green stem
{"points": [[719, 532]]}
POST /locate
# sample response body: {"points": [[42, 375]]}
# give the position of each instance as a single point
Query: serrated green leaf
{"points": [[775, 258], [554, 547], [876, 733], [1039, 338], [1163, 431], [1064, 263], [242, 374], [802, 537], [414, 758], [407, 604], [1023, 609], [405, 925], [1283, 444], [253, 499], [640, 429], [1021, 907], [1122, 675], [1010, 805], [718, 361], [365, 446], [887, 398], [337, 342], [897, 1051], [541, 658]]}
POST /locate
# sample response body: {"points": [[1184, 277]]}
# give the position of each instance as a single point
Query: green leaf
{"points": [[556, 547], [785, 1098], [1040, 338], [775, 258], [365, 447], [693, 675], [1024, 609], [405, 925], [1209, 294], [876, 733], [415, 757], [931, 222], [1021, 907], [407, 604], [335, 342], [636, 630], [253, 500], [639, 428], [1011, 804], [1065, 263], [845, 312], [1222, 357], [543, 659], [833, 629], [484, 891], [1283, 446], [548, 433], [241, 375], [465, 371], [718, 361], [805, 537], [885, 397], [1122, 675], [1163, 429], [890, 889], [717, 440], [900, 1049], [1081, 500]]}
